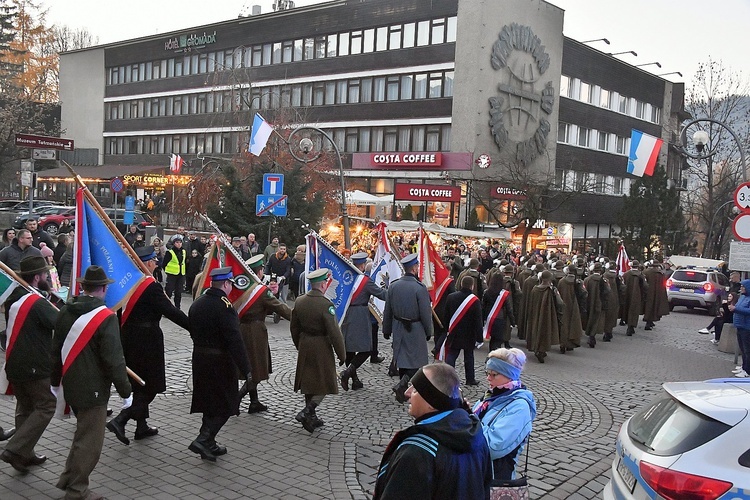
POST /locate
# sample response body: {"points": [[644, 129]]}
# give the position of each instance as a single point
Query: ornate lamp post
{"points": [[306, 146], [702, 140]]}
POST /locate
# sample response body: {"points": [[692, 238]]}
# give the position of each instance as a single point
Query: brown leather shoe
{"points": [[16, 461]]}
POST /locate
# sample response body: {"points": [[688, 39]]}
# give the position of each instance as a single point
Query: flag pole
{"points": [[229, 247], [111, 225]]}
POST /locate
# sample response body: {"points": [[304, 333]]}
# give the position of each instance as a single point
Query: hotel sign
{"points": [[426, 192], [503, 192], [186, 43]]}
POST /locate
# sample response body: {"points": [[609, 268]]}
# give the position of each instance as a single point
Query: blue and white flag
{"points": [[386, 268], [262, 130], [96, 244], [345, 279], [644, 151]]}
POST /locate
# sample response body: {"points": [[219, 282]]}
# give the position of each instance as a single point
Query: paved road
{"points": [[583, 398]]}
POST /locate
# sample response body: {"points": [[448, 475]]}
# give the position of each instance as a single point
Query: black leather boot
{"points": [[202, 444], [5, 435], [344, 378], [631, 331], [316, 422], [242, 393], [255, 404], [401, 388], [356, 382], [117, 425], [305, 418], [592, 341], [143, 430]]}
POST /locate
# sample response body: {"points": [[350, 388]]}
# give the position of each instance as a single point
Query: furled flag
{"points": [[386, 267], [175, 163], [644, 150], [432, 270], [99, 243], [623, 262], [259, 136], [346, 281], [213, 261]]}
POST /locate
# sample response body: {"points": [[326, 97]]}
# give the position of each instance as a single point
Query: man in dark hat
{"points": [[28, 364], [218, 352], [444, 455], [356, 327], [143, 346], [316, 335], [255, 333], [175, 260], [87, 374], [408, 317]]}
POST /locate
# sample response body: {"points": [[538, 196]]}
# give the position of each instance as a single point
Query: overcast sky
{"points": [[676, 33]]}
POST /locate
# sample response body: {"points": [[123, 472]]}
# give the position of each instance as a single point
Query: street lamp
{"points": [[658, 64], [701, 140], [597, 40], [671, 73], [306, 146], [625, 52], [713, 219]]}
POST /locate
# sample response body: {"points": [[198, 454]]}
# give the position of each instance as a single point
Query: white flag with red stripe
{"points": [[175, 163], [456, 319], [623, 262], [495, 312]]}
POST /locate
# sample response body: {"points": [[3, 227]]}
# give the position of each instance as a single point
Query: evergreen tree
{"points": [[8, 69], [649, 214]]}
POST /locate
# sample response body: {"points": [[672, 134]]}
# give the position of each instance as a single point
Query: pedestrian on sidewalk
{"points": [[741, 321]]}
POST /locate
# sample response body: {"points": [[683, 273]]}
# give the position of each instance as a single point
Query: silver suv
{"points": [[704, 288]]}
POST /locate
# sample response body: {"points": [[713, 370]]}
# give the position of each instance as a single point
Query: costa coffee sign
{"points": [[426, 192], [406, 159], [503, 192]]}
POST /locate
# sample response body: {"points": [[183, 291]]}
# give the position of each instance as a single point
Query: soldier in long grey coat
{"points": [[357, 327], [408, 317]]}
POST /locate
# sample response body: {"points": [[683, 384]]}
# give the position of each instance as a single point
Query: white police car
{"points": [[691, 443]]}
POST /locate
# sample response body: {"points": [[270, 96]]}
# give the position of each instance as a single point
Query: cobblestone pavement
{"points": [[583, 398]]}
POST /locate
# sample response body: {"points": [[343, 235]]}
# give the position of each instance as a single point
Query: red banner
{"points": [[426, 192]]}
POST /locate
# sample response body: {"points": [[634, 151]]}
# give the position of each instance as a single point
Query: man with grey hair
{"points": [[444, 454]]}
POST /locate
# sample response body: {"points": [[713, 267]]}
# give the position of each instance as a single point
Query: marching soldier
{"points": [[143, 346], [255, 333], [596, 307], [31, 321], [356, 327], [635, 295], [408, 316], [574, 295], [657, 304], [545, 316], [316, 335], [616, 291], [218, 352]]}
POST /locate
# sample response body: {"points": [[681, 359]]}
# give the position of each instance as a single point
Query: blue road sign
{"points": [[273, 184], [277, 204], [128, 216]]}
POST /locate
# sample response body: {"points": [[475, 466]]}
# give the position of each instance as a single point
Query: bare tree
{"points": [[721, 94]]}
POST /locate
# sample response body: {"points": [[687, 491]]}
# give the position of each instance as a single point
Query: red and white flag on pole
{"points": [[623, 262], [175, 163], [432, 270]]}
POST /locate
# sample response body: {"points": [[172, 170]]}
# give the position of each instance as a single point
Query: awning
{"points": [[361, 198], [100, 172], [410, 225]]}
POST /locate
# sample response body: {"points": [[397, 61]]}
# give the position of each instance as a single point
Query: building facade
{"points": [[469, 86]]}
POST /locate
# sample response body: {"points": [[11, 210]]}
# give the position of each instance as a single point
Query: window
{"points": [[410, 30], [451, 29], [341, 92], [379, 89], [266, 54], [276, 55], [344, 44], [392, 88], [332, 47], [318, 94], [600, 183], [623, 104], [353, 91], [257, 59], [604, 99], [603, 143], [320, 47], [563, 132], [438, 31], [621, 144], [420, 86], [366, 90], [585, 92], [584, 135], [433, 138], [330, 93], [423, 33], [356, 47], [394, 37], [448, 84], [617, 185], [390, 142], [655, 114], [406, 87], [417, 138], [640, 109], [368, 43], [381, 39], [436, 86], [565, 85], [364, 139]]}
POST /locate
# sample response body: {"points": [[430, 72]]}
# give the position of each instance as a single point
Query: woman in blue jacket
{"points": [[506, 410], [741, 321]]}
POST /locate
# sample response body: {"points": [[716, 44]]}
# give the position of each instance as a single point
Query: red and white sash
{"points": [[80, 334], [495, 312], [246, 301], [359, 285], [16, 318], [456, 319]]}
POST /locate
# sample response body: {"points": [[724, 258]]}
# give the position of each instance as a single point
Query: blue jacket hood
{"points": [[746, 284]]}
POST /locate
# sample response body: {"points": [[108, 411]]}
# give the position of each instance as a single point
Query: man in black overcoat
{"points": [[465, 330]]}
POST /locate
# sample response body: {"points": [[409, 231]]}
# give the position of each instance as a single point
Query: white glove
{"points": [[478, 345], [55, 390], [127, 402]]}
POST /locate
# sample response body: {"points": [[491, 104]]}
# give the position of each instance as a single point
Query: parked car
{"points": [[54, 217], [8, 204], [23, 206], [704, 288], [689, 443], [140, 219], [37, 213]]}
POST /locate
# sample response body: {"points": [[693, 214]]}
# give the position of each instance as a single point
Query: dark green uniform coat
{"points": [[596, 307], [545, 309], [255, 333], [572, 293], [316, 335], [635, 295], [616, 291], [657, 304], [100, 364]]}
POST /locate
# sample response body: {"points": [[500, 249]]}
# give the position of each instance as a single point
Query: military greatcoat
{"points": [[543, 323], [316, 335], [635, 296], [255, 333], [657, 304], [616, 291], [408, 302], [573, 295], [596, 306], [357, 327]]}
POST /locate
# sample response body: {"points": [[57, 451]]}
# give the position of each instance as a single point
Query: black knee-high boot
{"points": [[201, 445]]}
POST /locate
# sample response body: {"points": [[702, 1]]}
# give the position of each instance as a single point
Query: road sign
{"points": [[44, 154], [26, 178], [741, 227], [268, 204], [739, 256], [116, 185], [42, 141], [742, 196], [273, 184]]}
